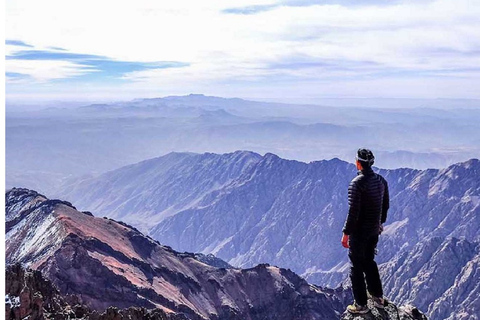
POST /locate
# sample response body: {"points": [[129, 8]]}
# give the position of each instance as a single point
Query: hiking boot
{"points": [[378, 302], [355, 308]]}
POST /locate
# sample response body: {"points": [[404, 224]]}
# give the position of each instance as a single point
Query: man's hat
{"points": [[365, 156]]}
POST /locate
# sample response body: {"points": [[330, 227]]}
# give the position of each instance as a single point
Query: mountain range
{"points": [[45, 148], [246, 208]]}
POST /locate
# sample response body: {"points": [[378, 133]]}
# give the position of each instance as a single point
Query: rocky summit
{"points": [[107, 263], [389, 312]]}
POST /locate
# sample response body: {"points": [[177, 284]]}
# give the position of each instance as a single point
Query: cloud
{"points": [[55, 63], [347, 3], [254, 9], [262, 45], [251, 9], [13, 77], [46, 70], [17, 43]]}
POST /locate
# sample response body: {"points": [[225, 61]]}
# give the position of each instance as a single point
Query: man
{"points": [[368, 200]]}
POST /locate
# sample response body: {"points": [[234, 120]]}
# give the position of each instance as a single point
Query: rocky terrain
{"points": [[390, 312], [268, 209], [107, 263], [30, 296], [443, 271]]}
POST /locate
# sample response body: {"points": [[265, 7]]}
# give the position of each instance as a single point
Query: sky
{"points": [[59, 50]]}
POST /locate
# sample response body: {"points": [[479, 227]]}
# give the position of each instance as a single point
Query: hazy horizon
{"points": [[18, 105], [46, 147]]}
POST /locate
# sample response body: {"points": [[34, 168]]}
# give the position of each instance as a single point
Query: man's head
{"points": [[365, 158]]}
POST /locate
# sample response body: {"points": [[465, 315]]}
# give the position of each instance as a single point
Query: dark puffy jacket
{"points": [[369, 202]]}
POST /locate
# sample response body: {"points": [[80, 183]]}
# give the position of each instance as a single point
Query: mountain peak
{"points": [[472, 163], [270, 155]]}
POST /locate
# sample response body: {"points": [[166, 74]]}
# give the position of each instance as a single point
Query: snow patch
{"points": [[339, 267], [13, 301], [475, 200], [238, 260], [392, 228], [278, 278], [216, 246], [46, 233], [15, 229]]}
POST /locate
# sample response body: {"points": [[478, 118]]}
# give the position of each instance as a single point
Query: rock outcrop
{"points": [[390, 312], [30, 296]]}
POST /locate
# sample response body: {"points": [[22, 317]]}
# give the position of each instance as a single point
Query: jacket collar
{"points": [[366, 172]]}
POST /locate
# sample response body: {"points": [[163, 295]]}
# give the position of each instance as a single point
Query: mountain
{"points": [[154, 189], [46, 147], [109, 263], [291, 213]]}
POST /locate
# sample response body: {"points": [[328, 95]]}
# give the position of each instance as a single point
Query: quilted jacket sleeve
{"points": [[386, 202], [354, 202]]}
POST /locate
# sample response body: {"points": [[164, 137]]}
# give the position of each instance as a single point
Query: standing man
{"points": [[368, 200]]}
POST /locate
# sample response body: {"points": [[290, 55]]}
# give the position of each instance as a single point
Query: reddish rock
{"points": [[107, 263], [25, 303], [39, 300]]}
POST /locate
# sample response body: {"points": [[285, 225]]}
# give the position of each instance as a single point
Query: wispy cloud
{"points": [[14, 77], [17, 43], [251, 9], [254, 9], [44, 70], [55, 63]]}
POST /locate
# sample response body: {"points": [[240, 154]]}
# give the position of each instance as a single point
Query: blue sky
{"points": [[91, 68], [268, 49]]}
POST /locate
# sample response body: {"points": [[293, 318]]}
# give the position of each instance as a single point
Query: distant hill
{"points": [[44, 148]]}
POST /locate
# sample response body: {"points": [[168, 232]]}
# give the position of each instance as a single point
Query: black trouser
{"points": [[361, 254]]}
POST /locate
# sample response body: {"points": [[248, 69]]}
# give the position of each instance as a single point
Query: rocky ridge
{"points": [[106, 263]]}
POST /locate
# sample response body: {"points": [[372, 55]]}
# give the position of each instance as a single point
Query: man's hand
{"points": [[345, 241]]}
